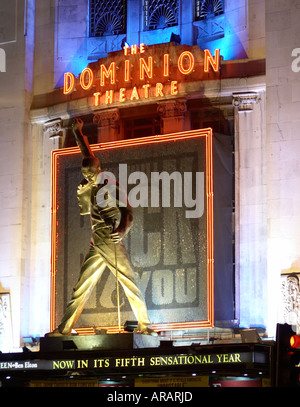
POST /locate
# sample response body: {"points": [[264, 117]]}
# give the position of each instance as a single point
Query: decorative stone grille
{"points": [[107, 17], [208, 8], [160, 14], [290, 291]]}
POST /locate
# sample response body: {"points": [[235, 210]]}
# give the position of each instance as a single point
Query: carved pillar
{"points": [[290, 298], [108, 125], [45, 137], [250, 208], [172, 114], [53, 130], [245, 101], [6, 333]]}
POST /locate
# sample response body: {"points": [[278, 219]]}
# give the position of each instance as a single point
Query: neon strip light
{"points": [[207, 134], [54, 158]]}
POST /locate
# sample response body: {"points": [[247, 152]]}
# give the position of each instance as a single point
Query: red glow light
{"points": [[295, 341]]}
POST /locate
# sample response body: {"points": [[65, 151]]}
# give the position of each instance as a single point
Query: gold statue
{"points": [[109, 225]]}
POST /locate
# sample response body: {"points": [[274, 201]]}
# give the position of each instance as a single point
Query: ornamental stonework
{"points": [[290, 292]]}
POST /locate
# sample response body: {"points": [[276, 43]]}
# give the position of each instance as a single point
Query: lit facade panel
{"points": [[170, 244]]}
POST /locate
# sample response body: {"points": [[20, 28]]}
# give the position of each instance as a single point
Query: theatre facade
{"points": [[192, 108]]}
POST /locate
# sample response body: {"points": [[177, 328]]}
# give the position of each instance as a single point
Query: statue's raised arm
{"points": [[110, 222], [90, 167], [81, 139]]}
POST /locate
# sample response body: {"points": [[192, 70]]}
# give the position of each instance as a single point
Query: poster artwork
{"points": [[168, 182]]}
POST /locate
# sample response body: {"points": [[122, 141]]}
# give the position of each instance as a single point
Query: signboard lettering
{"points": [[152, 362], [139, 73]]}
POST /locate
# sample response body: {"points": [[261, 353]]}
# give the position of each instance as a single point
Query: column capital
{"points": [[107, 118], [108, 124], [54, 128], [245, 101], [172, 108]]}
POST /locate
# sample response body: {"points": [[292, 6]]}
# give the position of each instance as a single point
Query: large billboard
{"points": [[169, 183]]}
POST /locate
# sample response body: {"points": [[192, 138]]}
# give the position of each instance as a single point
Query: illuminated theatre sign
{"points": [[150, 362], [142, 72], [168, 180]]}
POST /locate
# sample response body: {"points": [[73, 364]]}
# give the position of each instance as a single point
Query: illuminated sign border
{"points": [[202, 133]]}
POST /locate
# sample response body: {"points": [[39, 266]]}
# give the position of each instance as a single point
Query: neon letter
{"points": [[90, 75], [159, 89], [146, 68], [110, 72], [97, 98], [146, 90], [166, 64], [69, 82], [109, 97], [134, 49], [214, 62], [122, 96], [134, 94], [174, 88], [127, 70], [190, 56]]}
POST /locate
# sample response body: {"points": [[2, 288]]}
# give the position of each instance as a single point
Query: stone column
{"points": [[53, 134], [173, 115], [46, 136], [108, 125], [250, 209]]}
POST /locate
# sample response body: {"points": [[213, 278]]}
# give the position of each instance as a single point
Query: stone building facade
{"points": [[255, 95]]}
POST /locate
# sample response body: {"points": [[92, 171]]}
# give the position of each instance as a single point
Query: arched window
{"points": [[107, 17], [208, 8], [160, 14]]}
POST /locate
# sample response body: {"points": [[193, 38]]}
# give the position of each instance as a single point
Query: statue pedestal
{"points": [[98, 342]]}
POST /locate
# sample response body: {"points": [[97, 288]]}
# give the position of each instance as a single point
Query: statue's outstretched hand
{"points": [[77, 124]]}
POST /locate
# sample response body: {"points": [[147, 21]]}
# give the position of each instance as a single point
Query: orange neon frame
{"points": [[207, 134]]}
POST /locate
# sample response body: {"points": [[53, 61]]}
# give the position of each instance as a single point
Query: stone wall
{"points": [[283, 144], [17, 40], [43, 41]]}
